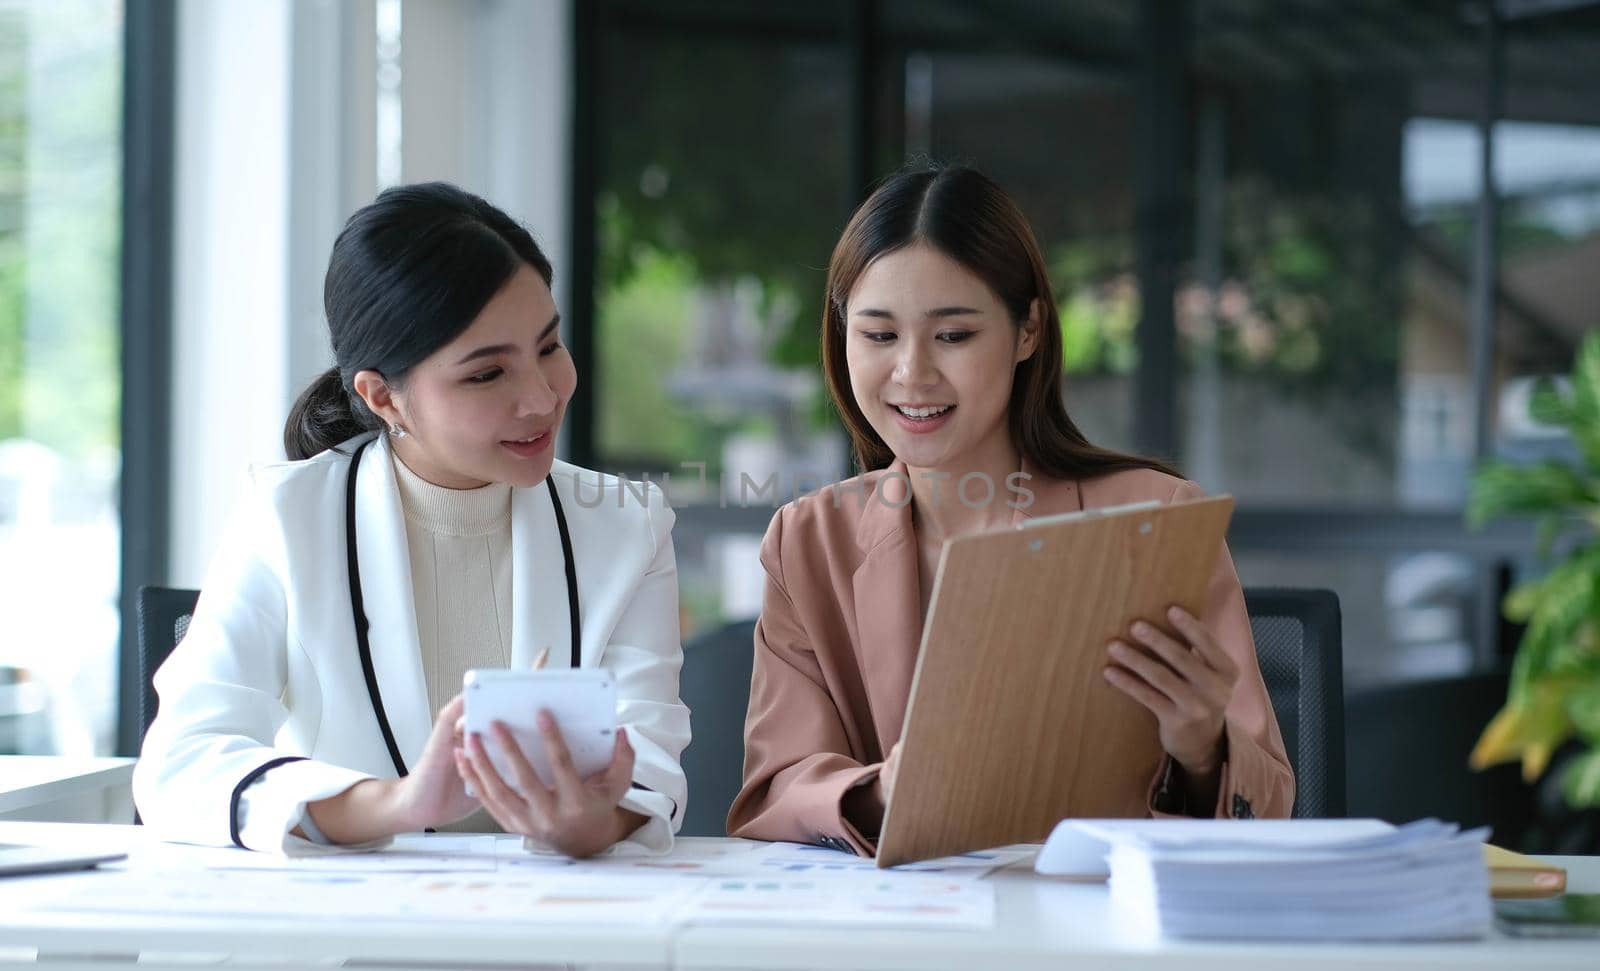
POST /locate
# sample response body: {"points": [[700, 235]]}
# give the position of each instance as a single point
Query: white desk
{"points": [[1042, 924], [1046, 923], [29, 781], [181, 942]]}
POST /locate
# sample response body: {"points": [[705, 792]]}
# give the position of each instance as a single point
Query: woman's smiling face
{"points": [[486, 407], [932, 354]]}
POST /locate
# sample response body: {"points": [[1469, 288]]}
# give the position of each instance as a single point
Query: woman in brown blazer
{"points": [[942, 350]]}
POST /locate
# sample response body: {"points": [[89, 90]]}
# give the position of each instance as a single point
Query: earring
{"points": [[397, 431]]}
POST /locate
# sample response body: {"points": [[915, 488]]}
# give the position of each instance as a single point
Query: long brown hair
{"points": [[965, 216]]}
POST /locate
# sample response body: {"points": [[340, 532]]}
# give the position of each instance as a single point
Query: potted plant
{"points": [[1554, 691]]}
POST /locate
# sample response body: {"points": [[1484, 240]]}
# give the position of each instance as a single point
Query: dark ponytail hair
{"points": [[408, 274]]}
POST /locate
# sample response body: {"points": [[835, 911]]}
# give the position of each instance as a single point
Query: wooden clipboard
{"points": [[1011, 726]]}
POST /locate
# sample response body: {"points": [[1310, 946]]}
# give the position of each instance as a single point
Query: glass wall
{"points": [[60, 164], [1322, 195], [722, 183], [1058, 137], [1326, 321]]}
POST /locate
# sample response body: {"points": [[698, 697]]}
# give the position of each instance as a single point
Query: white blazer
{"points": [[269, 673]]}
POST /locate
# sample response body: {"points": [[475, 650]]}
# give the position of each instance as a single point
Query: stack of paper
{"points": [[1288, 880]]}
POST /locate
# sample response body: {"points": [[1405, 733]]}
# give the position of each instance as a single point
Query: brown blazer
{"points": [[837, 643]]}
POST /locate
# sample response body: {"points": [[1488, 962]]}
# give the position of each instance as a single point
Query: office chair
{"points": [[163, 615], [715, 684], [1298, 644], [1299, 648]]}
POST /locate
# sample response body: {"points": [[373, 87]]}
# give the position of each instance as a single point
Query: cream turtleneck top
{"points": [[460, 546]]}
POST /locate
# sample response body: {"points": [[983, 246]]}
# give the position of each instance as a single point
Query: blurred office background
{"points": [[1285, 254]]}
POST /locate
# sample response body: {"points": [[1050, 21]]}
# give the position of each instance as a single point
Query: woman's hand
{"points": [[1186, 684], [579, 817], [431, 795], [891, 768], [865, 805]]}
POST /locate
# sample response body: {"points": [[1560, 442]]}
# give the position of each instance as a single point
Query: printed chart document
{"points": [[494, 878], [916, 899], [552, 897], [807, 859], [407, 854], [437, 853]]}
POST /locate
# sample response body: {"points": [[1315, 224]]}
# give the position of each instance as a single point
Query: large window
{"points": [[1309, 179], [1327, 320], [1057, 136], [722, 183], [60, 162]]}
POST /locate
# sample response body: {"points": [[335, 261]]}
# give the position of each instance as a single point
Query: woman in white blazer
{"points": [[300, 707]]}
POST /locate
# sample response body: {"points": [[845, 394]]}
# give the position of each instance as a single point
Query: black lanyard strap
{"points": [[359, 613], [572, 577]]}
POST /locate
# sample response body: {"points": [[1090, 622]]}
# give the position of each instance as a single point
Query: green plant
{"points": [[1555, 680]]}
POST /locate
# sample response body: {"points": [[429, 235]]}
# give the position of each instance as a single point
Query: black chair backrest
{"points": [[163, 614], [715, 684], [1298, 644], [1299, 647]]}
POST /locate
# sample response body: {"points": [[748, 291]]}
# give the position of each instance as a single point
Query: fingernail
{"points": [[1176, 613], [1117, 649], [1141, 628], [546, 722], [544, 655], [1108, 674]]}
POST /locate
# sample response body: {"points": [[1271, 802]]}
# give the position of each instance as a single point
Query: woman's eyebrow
{"points": [[492, 349], [486, 351], [935, 313]]}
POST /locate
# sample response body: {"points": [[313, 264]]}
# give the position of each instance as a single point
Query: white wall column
{"points": [[333, 94], [486, 91], [519, 145], [277, 145], [275, 148], [230, 267]]}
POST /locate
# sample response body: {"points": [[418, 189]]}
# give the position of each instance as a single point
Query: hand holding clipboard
{"points": [[1186, 680], [1011, 725]]}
